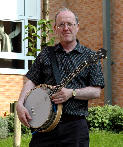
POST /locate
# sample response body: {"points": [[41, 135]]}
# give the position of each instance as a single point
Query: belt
{"points": [[68, 117]]}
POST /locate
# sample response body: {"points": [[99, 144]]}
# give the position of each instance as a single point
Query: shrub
{"points": [[24, 129], [10, 119], [3, 128], [108, 118]]}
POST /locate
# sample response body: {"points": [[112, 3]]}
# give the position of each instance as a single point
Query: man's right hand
{"points": [[23, 114]]}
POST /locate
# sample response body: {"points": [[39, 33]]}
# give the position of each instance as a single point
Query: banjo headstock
{"points": [[101, 54]]}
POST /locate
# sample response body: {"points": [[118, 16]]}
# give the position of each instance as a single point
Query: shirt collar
{"points": [[78, 47]]}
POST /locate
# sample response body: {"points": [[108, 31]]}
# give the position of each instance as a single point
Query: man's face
{"points": [[66, 27]]}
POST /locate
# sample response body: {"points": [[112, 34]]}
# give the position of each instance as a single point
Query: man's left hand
{"points": [[62, 96]]}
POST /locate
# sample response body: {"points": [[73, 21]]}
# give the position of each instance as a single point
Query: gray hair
{"points": [[66, 9]]}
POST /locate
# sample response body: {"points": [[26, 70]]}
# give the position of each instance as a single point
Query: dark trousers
{"points": [[66, 134]]}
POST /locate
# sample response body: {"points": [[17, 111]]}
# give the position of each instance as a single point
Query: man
{"points": [[72, 130]]}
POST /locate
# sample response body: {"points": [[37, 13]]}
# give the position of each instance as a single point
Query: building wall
{"points": [[91, 35], [10, 87], [117, 51]]}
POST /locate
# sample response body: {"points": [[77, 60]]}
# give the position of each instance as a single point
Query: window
{"points": [[10, 36], [12, 63], [13, 49]]}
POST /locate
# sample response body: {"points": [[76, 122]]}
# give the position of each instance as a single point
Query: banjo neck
{"points": [[67, 79], [94, 58]]}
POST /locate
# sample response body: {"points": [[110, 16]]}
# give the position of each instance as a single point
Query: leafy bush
{"points": [[24, 129], [108, 118], [10, 119], [3, 128]]}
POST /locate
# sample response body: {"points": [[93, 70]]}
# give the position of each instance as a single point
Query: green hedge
{"points": [[108, 118], [10, 119], [3, 128], [7, 126]]}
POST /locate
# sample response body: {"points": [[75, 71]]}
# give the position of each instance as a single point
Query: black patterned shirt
{"points": [[92, 75]]}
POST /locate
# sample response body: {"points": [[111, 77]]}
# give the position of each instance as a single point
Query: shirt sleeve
{"points": [[35, 73], [96, 75]]}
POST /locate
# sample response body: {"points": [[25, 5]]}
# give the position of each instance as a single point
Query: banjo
{"points": [[46, 114]]}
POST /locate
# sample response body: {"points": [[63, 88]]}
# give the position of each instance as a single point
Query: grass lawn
{"points": [[25, 139], [105, 139], [97, 139]]}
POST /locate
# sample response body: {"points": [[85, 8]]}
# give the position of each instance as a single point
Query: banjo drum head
{"points": [[38, 104]]}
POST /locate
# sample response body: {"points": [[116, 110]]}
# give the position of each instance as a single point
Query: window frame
{"points": [[22, 56]]}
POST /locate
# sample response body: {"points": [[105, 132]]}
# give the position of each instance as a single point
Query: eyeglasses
{"points": [[69, 25]]}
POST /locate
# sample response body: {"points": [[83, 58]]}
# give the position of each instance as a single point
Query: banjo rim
{"points": [[57, 116], [56, 120]]}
